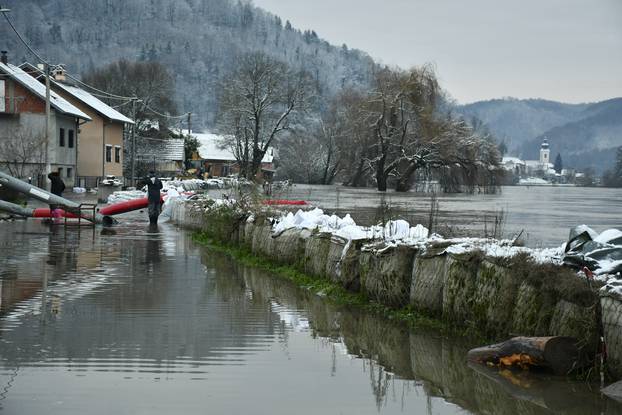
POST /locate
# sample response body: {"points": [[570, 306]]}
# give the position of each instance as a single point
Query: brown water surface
{"points": [[142, 320]]}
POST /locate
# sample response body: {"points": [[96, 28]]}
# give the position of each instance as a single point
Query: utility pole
{"points": [[48, 123], [133, 158], [189, 129]]}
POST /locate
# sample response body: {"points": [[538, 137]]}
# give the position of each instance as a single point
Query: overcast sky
{"points": [[565, 50]]}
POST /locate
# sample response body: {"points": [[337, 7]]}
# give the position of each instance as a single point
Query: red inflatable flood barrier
{"points": [[284, 202], [123, 207], [45, 213]]}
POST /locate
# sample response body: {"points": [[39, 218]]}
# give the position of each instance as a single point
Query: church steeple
{"points": [[545, 154]]}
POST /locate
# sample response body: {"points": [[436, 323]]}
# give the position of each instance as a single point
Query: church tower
{"points": [[544, 154]]}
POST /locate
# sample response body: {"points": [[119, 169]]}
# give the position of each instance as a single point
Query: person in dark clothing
{"points": [[57, 188], [154, 185]]}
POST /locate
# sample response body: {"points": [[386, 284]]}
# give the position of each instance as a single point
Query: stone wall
{"points": [[494, 298]]}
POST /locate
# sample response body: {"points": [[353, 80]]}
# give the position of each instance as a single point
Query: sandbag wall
{"points": [[611, 304], [493, 297]]}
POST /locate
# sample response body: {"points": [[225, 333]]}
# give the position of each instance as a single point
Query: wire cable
{"points": [[22, 39], [164, 115], [109, 94], [19, 36]]}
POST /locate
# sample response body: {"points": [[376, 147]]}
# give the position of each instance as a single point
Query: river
{"points": [[140, 319], [541, 215]]}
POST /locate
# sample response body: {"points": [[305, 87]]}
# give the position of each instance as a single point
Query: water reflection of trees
{"points": [[394, 354]]}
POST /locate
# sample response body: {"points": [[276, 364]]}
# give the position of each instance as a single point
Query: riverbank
{"points": [[477, 289]]}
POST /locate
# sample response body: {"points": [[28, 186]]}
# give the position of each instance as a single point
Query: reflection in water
{"points": [[143, 321]]}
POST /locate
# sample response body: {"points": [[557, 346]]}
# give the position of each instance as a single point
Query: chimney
{"points": [[4, 59], [59, 74]]}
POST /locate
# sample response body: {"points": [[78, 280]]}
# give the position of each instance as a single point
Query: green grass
{"points": [[329, 290]]}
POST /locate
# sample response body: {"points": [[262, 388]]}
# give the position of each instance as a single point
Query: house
{"points": [[514, 165], [165, 156], [24, 150], [100, 150], [216, 160]]}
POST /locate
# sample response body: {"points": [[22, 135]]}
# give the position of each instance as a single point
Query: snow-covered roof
{"points": [[537, 164], [37, 88], [514, 160], [211, 148], [94, 103], [169, 149]]}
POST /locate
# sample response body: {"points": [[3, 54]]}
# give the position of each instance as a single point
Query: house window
{"points": [[70, 138], [69, 169], [61, 138], [117, 154], [108, 154], [60, 171]]}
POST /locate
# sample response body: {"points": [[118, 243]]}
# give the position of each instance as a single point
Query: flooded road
{"points": [[140, 320], [544, 214]]}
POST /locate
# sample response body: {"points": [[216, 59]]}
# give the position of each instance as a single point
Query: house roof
{"points": [[514, 160], [169, 149], [38, 89], [211, 148], [94, 103]]}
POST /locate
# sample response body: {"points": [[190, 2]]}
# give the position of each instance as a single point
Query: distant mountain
{"points": [[516, 121], [589, 142], [584, 134], [199, 40]]}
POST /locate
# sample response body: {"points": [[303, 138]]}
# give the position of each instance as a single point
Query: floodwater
{"points": [[141, 320], [541, 215]]}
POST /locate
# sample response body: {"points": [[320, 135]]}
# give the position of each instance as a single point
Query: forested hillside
{"points": [[589, 142], [199, 40], [516, 121]]}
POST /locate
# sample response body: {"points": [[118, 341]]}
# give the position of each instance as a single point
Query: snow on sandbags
{"points": [[419, 232], [396, 230], [347, 229], [125, 195], [353, 232], [311, 220]]}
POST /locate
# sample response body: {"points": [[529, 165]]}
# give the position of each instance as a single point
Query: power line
{"points": [[22, 39], [19, 36], [120, 105], [105, 94], [164, 115], [110, 95]]}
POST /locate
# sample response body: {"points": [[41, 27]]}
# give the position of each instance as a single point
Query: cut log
{"points": [[557, 353]]}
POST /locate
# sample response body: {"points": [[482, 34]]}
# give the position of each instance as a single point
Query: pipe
{"points": [[14, 209], [26, 212], [42, 195]]}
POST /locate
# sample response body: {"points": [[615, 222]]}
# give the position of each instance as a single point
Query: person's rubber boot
{"points": [[153, 220]]}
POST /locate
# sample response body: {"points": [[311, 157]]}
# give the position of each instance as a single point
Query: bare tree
{"points": [[150, 82], [22, 153], [310, 154], [402, 133], [259, 103]]}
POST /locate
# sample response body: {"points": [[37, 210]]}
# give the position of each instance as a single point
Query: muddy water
{"points": [[542, 215], [141, 320]]}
